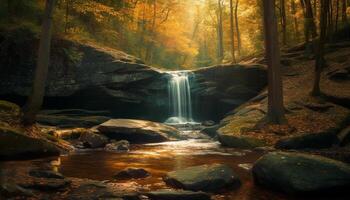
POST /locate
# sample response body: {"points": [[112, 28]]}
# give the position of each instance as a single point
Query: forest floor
{"points": [[327, 114]]}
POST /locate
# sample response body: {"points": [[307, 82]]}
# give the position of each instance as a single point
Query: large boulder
{"points": [[63, 121], [226, 87], [138, 131], [203, 178], [93, 140], [16, 145], [298, 173], [308, 141]]}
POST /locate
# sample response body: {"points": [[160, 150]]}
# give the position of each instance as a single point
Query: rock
{"points": [[118, 146], [45, 174], [216, 92], [69, 134], [211, 130], [16, 145], [93, 140], [203, 178], [308, 141], [132, 173], [298, 173], [344, 137], [319, 107], [177, 195], [47, 184], [340, 75], [208, 123], [242, 142], [63, 121], [138, 131], [9, 190], [9, 107]]}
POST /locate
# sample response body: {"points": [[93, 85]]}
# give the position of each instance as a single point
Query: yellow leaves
{"points": [[98, 10]]}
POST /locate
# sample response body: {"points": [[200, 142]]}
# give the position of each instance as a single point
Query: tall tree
{"points": [[320, 61], [36, 97], [275, 112], [239, 41], [283, 21], [309, 24], [220, 33], [344, 14], [232, 33], [295, 20]]}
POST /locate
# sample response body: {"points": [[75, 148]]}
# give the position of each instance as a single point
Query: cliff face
{"points": [[86, 76]]}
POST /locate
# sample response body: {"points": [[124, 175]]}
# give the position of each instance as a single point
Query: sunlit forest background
{"points": [[173, 34]]}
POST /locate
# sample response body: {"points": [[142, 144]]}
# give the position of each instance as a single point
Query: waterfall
{"points": [[180, 97]]}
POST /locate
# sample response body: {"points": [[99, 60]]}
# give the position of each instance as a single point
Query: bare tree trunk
{"points": [[309, 25], [275, 89], [316, 91], [220, 33], [232, 33], [337, 15], [295, 19], [344, 14], [283, 22], [149, 49], [36, 97], [239, 42], [67, 14]]}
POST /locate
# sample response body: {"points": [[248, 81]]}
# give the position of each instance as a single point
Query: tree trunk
{"points": [[239, 42], [232, 33], [344, 14], [67, 14], [275, 89], [295, 19], [149, 49], [316, 91], [283, 22], [309, 25], [220, 33], [36, 97], [337, 16]]}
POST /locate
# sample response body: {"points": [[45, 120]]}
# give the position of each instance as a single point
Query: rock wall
{"points": [[86, 76]]}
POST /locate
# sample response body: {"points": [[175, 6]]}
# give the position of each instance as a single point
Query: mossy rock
{"points": [[9, 107], [243, 142], [16, 145]]}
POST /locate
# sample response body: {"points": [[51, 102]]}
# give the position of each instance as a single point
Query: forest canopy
{"points": [[173, 34]]}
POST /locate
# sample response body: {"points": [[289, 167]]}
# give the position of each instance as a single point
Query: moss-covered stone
{"points": [[16, 145]]}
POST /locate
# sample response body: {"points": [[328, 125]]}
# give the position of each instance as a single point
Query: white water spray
{"points": [[180, 98]]}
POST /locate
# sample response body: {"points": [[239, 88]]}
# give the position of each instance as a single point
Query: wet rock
{"points": [[308, 141], [16, 145], [211, 130], [8, 190], [45, 184], [177, 195], [69, 134], [208, 123], [63, 121], [121, 145], [203, 178], [242, 142], [298, 173], [93, 140], [9, 107], [138, 131], [132, 173], [246, 166], [45, 174]]}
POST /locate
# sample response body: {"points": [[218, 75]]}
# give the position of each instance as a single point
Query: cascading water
{"points": [[180, 97]]}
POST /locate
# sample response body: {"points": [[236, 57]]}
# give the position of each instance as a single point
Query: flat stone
{"points": [[132, 173], [203, 178], [138, 131]]}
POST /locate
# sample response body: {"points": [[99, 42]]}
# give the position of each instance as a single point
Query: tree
{"points": [[220, 33], [316, 91], [309, 24], [239, 42], [295, 19], [283, 21], [275, 112], [232, 33], [344, 14], [36, 97]]}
